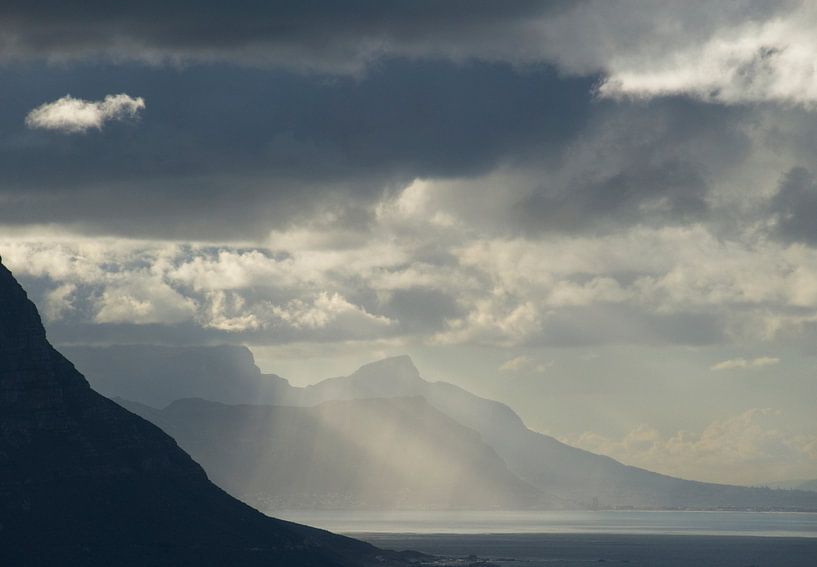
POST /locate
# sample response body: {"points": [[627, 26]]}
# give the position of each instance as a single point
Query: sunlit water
{"points": [[779, 524], [576, 539]]}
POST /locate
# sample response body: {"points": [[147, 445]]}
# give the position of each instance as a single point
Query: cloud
{"points": [[753, 448], [794, 206], [440, 284], [75, 115], [735, 52], [141, 300], [740, 62], [322, 37], [227, 311], [525, 363], [739, 52], [326, 309], [736, 363], [59, 301]]}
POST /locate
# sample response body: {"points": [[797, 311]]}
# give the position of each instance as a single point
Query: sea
{"points": [[576, 539]]}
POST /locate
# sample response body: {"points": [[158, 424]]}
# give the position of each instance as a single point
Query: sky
{"points": [[600, 212]]}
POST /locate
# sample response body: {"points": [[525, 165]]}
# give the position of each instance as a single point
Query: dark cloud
{"points": [[667, 192], [421, 310], [648, 163], [323, 34], [223, 151], [794, 207]]}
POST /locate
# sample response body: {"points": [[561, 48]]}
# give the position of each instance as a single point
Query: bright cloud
{"points": [[734, 363], [525, 363], [772, 60], [76, 115], [143, 300], [754, 447], [59, 301]]}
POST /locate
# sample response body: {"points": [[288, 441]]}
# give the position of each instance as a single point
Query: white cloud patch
{"points": [[227, 311], [525, 363], [59, 301], [755, 62], [76, 115], [143, 301], [729, 52], [754, 447], [330, 309], [736, 363]]}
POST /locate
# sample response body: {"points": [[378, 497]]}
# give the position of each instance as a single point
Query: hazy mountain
{"points": [[85, 482], [575, 476], [810, 485], [157, 375], [398, 453], [579, 476]]}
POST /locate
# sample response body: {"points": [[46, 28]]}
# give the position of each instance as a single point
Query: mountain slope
{"points": [[397, 453], [85, 482]]}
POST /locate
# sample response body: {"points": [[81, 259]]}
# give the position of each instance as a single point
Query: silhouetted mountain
{"points": [[397, 453], [85, 482], [572, 476]]}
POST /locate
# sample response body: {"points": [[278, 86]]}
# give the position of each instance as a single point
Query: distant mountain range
{"points": [[85, 482], [810, 485], [562, 476], [807, 485]]}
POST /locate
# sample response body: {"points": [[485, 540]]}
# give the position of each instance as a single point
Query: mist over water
{"points": [[579, 538]]}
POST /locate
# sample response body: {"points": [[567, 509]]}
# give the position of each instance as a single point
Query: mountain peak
{"points": [[401, 364], [20, 325]]}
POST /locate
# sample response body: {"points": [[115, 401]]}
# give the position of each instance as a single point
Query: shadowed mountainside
{"points": [[85, 482]]}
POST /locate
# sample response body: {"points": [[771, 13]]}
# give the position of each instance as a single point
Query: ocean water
{"points": [[769, 524], [625, 550], [576, 539]]}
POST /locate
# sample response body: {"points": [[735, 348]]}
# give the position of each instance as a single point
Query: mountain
{"points": [[398, 453], [85, 482], [158, 375], [581, 477], [810, 485], [567, 475]]}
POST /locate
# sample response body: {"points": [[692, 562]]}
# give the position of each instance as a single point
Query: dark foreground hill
{"points": [[565, 475], [85, 482], [398, 453]]}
